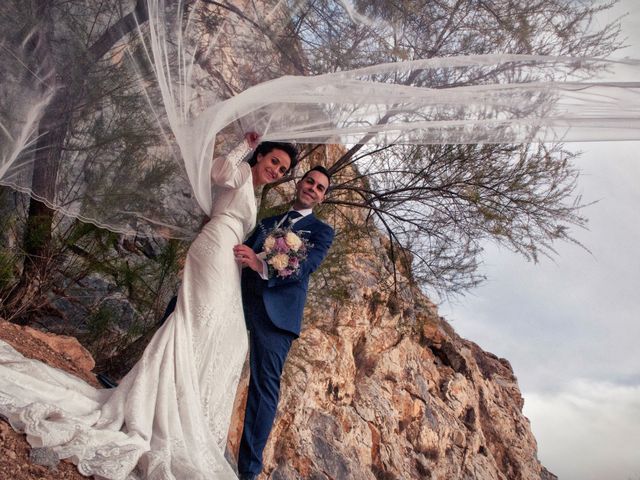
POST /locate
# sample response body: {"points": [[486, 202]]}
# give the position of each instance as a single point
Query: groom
{"points": [[273, 309]]}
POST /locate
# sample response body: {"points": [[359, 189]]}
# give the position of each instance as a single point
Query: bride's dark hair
{"points": [[266, 147]]}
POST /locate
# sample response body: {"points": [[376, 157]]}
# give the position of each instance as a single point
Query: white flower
{"points": [[269, 243], [293, 241], [279, 261]]}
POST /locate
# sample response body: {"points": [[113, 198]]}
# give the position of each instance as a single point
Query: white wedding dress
{"points": [[169, 417]]}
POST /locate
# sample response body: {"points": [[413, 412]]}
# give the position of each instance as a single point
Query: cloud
{"points": [[570, 326], [591, 430], [574, 316]]}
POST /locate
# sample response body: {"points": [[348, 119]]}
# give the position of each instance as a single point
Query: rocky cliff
{"points": [[17, 460], [379, 386]]}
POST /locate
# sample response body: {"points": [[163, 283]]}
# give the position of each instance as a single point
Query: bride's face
{"points": [[270, 167]]}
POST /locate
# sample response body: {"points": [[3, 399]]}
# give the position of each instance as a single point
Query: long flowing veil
{"points": [[111, 111]]}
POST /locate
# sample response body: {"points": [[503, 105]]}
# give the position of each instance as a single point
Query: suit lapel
{"points": [[304, 221], [277, 219], [270, 223]]}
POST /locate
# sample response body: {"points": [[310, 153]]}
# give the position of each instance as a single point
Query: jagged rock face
{"points": [[58, 351], [378, 386]]}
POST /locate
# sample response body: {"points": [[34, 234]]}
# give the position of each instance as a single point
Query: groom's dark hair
{"points": [[322, 170], [265, 147]]}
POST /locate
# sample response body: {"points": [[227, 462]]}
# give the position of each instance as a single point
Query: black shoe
{"points": [[106, 381], [248, 476]]}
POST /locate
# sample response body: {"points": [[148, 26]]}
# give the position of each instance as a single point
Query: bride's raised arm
{"points": [[230, 171]]}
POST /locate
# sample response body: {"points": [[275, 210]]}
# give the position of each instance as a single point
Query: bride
{"points": [[169, 417]]}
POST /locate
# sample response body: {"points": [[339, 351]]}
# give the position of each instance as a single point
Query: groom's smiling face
{"points": [[310, 191]]}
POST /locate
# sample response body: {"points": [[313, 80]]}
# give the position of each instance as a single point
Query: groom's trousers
{"points": [[268, 349]]}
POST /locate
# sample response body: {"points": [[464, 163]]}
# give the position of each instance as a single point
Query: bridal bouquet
{"points": [[283, 251]]}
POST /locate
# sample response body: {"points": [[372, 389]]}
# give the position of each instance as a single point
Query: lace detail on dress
{"points": [[239, 153], [111, 461], [46, 425]]}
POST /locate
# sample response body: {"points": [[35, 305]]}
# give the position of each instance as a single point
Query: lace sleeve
{"points": [[230, 171]]}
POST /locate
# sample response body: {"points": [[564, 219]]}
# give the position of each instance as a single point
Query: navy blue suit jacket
{"points": [[284, 298]]}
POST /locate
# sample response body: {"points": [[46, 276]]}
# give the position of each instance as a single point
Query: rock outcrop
{"points": [[18, 461], [379, 386], [59, 351]]}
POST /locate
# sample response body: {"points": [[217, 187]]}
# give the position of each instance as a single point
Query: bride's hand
{"points": [[253, 139], [246, 257]]}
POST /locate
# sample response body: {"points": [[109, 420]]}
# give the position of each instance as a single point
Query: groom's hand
{"points": [[246, 257]]}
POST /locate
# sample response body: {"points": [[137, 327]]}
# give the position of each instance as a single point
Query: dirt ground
{"points": [[14, 449]]}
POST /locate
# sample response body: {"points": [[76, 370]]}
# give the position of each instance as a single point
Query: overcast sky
{"points": [[570, 326]]}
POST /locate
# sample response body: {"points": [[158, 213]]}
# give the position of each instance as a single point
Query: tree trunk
{"points": [[37, 244], [53, 129], [51, 133]]}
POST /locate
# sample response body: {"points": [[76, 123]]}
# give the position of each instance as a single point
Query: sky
{"points": [[569, 325]]}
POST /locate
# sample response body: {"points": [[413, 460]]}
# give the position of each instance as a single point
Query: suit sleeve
{"points": [[321, 242], [253, 238]]}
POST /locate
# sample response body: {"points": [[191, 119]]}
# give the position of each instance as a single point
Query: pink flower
{"points": [[285, 273], [281, 245], [294, 263]]}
